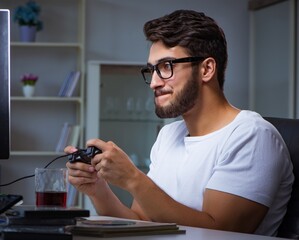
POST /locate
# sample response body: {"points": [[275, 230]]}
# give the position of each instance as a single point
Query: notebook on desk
{"points": [[122, 227]]}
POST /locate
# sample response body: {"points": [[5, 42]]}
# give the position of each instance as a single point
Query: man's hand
{"points": [[113, 164], [83, 176]]}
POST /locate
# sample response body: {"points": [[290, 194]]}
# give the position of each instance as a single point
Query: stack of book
{"points": [[117, 227], [69, 135], [69, 85], [30, 222]]}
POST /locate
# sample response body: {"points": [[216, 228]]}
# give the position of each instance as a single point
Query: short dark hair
{"points": [[198, 33]]}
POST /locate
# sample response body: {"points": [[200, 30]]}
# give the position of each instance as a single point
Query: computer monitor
{"points": [[4, 84]]}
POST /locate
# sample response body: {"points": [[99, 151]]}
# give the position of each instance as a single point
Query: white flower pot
{"points": [[28, 90]]}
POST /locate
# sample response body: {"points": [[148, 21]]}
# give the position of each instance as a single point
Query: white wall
{"points": [[114, 31]]}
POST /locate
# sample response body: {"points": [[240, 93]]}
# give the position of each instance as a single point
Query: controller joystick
{"points": [[84, 155]]}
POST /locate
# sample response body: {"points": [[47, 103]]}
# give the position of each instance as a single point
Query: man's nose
{"points": [[156, 81]]}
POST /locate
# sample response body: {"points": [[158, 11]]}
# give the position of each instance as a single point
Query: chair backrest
{"points": [[289, 130]]}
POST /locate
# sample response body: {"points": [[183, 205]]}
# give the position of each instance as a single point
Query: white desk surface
{"points": [[191, 234]]}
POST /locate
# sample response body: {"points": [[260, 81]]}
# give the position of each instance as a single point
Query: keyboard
{"points": [[8, 200]]}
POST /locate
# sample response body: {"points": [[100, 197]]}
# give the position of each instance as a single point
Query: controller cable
{"points": [[30, 176]]}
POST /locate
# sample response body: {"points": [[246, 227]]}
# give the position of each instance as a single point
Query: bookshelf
{"points": [[52, 58], [36, 122]]}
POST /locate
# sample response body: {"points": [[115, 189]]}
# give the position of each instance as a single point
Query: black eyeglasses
{"points": [[164, 68]]}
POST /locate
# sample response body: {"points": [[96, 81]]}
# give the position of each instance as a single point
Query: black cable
{"points": [[29, 176], [56, 159], [19, 179]]}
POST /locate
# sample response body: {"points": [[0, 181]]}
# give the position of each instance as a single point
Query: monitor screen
{"points": [[4, 84]]}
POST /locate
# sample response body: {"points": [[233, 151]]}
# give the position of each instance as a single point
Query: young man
{"points": [[219, 168]]}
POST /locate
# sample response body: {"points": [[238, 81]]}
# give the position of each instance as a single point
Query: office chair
{"points": [[289, 130]]}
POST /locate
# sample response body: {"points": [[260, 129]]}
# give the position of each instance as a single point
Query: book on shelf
{"points": [[69, 84], [64, 84], [63, 137], [69, 135], [74, 135]]}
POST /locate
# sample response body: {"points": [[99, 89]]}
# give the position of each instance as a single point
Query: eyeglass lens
{"points": [[163, 69]]}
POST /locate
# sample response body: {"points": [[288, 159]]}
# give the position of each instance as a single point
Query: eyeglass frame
{"points": [[153, 68]]}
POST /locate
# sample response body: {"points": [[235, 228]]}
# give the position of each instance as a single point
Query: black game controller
{"points": [[84, 155]]}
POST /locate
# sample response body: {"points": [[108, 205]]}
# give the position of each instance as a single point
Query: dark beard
{"points": [[183, 102]]}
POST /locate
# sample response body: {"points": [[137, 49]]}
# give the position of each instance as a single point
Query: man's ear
{"points": [[208, 69]]}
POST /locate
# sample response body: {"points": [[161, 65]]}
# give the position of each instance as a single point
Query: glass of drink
{"points": [[51, 186]]}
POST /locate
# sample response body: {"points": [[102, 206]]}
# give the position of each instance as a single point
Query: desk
{"points": [[191, 234]]}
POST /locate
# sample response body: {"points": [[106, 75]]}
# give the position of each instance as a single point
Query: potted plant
{"points": [[29, 80], [27, 17]]}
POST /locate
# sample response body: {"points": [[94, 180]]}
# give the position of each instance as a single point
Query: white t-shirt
{"points": [[247, 158]]}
